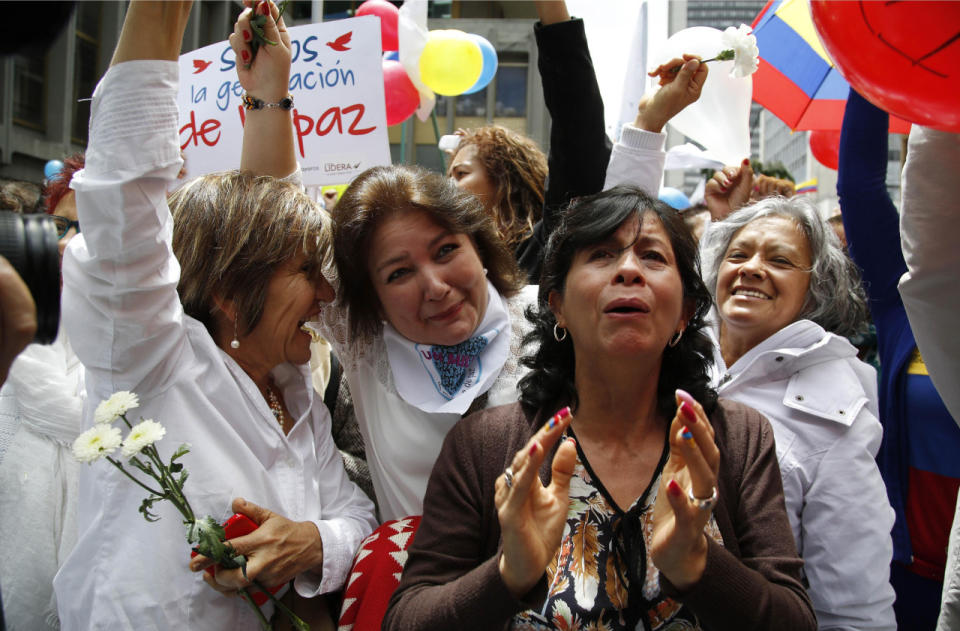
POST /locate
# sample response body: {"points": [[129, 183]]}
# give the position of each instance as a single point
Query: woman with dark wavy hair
{"points": [[636, 505]]}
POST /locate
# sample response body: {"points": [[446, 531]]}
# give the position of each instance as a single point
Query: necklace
{"points": [[274, 402]]}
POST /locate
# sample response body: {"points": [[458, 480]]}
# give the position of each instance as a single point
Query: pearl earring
{"points": [[235, 343]]}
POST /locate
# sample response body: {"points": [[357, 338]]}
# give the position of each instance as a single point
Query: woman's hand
{"points": [[728, 190], [677, 91], [532, 516], [765, 186], [276, 551], [266, 76], [679, 546]]}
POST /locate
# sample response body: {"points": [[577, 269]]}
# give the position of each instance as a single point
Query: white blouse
{"points": [[127, 325]]}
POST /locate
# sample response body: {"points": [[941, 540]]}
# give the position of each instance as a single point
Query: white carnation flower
{"points": [[95, 443], [746, 55], [144, 433], [119, 403]]}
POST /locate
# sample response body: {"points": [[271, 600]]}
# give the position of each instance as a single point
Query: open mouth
{"points": [[308, 328], [627, 307], [750, 293]]}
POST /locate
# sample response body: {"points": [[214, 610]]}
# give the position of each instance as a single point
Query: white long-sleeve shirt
{"points": [[637, 159], [822, 403], [125, 320]]}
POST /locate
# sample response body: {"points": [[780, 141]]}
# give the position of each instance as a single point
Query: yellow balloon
{"points": [[450, 63]]}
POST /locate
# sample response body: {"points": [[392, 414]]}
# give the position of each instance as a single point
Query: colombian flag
{"points": [[796, 79]]}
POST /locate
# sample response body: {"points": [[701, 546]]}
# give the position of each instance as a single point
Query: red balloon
{"points": [[389, 16], [902, 56], [825, 147], [401, 95]]}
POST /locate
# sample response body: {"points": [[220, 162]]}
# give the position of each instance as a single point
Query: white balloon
{"points": [[720, 119]]}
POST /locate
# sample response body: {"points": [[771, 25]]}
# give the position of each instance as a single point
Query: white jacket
{"points": [[822, 403]]}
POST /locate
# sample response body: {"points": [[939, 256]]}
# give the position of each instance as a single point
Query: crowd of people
{"points": [[557, 403]]}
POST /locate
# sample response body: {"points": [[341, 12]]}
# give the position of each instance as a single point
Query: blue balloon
{"points": [[52, 169], [489, 63], [392, 55], [674, 198]]}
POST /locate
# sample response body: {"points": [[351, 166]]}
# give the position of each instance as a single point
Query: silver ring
{"points": [[703, 504], [508, 477]]}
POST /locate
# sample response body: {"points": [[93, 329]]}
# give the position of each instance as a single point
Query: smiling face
{"points": [[623, 296], [763, 280], [430, 282], [469, 174], [292, 299]]}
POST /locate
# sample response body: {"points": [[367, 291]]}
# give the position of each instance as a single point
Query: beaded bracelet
{"points": [[253, 103]]}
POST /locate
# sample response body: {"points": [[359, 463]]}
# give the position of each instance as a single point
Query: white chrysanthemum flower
{"points": [[746, 55], [144, 433], [95, 443], [119, 403]]}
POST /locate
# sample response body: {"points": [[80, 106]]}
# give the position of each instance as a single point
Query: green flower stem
{"points": [[725, 55], [118, 465], [294, 618], [264, 623], [171, 485]]}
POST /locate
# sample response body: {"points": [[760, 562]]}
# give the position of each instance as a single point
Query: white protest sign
{"points": [[339, 116]]}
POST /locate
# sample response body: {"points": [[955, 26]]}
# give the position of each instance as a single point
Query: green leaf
{"points": [[181, 451], [145, 507], [259, 37], [146, 467]]}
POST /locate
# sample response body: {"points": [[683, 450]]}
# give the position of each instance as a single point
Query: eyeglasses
{"points": [[63, 225]]}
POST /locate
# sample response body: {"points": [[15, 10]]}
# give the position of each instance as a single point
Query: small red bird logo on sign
{"points": [[340, 44], [200, 65]]}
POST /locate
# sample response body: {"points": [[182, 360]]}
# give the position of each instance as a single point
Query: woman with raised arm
{"points": [[197, 307], [655, 511], [917, 456], [785, 293]]}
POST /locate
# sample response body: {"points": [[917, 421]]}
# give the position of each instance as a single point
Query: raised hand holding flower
{"points": [[741, 49]]}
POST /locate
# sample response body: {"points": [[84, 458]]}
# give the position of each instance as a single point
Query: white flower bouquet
{"points": [[164, 481]]}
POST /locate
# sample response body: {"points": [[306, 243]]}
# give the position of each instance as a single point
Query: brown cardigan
{"points": [[452, 580]]}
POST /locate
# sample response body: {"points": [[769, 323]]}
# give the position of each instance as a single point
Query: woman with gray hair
{"points": [[785, 293]]}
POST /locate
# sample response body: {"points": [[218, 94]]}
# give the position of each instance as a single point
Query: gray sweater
{"points": [[452, 581]]}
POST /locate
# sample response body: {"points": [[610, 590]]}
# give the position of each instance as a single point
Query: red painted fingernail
{"points": [[246, 36], [746, 161], [686, 434], [533, 448], [674, 489], [245, 55], [264, 8], [683, 395], [687, 411]]}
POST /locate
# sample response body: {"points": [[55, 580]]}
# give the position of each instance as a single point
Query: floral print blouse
{"points": [[594, 585]]}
